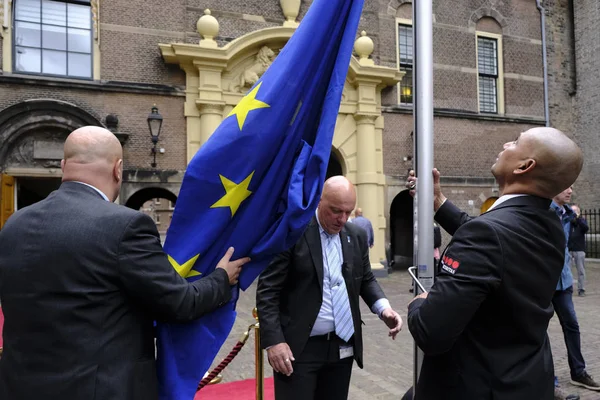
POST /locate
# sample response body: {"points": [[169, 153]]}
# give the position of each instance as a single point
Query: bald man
{"points": [[81, 282], [308, 302], [483, 325]]}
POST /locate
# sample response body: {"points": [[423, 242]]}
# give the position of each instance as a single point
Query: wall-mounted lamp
{"points": [[154, 124]]}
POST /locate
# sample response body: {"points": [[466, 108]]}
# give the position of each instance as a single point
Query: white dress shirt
{"points": [[503, 198], [105, 197], [325, 321]]}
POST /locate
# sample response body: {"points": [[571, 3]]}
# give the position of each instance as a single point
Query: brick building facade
{"points": [[574, 63], [487, 70]]}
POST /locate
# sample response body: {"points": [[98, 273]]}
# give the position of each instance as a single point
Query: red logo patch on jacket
{"points": [[450, 265]]}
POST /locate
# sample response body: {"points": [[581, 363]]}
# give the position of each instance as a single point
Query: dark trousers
{"points": [[319, 374], [563, 306], [408, 395]]}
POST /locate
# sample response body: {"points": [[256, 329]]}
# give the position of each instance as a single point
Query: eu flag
{"points": [[255, 184]]}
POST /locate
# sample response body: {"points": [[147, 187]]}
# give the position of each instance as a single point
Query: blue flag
{"points": [[255, 184]]}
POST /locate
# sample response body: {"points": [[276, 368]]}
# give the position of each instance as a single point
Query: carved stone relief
{"points": [[40, 149], [32, 133], [249, 76]]}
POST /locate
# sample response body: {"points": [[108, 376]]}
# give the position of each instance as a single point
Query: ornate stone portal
{"points": [[218, 77]]}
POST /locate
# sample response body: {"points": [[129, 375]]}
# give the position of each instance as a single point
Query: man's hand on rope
{"points": [[281, 357]]}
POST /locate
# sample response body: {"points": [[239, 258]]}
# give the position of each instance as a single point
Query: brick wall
{"points": [[135, 57], [573, 65], [587, 126], [132, 110], [132, 29], [561, 66], [462, 147]]}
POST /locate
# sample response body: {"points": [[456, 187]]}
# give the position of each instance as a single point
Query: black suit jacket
{"points": [[81, 281], [290, 289], [483, 325]]}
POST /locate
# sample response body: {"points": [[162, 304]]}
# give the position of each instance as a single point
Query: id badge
{"points": [[346, 351]]}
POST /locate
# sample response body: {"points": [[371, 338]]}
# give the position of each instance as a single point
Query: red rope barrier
{"points": [[234, 352], [222, 365]]}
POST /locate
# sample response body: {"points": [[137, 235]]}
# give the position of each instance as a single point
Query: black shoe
{"points": [[582, 293], [586, 381], [411, 290]]}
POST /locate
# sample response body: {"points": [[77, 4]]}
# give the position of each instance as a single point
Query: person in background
{"points": [[579, 228], [361, 221], [563, 301]]}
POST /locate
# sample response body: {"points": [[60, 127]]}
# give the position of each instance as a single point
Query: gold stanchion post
{"points": [[260, 368]]}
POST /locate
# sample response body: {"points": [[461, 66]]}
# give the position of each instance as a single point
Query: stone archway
{"points": [[401, 229], [334, 167], [156, 202], [137, 199], [32, 132], [217, 78]]}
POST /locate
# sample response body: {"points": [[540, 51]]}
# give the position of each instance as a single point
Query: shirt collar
{"points": [[565, 209], [105, 197], [504, 198], [321, 230]]}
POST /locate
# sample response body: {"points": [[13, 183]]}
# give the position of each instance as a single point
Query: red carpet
{"points": [[238, 390]]}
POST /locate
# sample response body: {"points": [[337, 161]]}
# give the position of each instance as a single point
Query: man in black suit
{"points": [[483, 326], [308, 302], [81, 282]]}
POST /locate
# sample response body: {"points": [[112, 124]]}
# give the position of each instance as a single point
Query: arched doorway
{"points": [[401, 230], [334, 167], [32, 134], [158, 204]]}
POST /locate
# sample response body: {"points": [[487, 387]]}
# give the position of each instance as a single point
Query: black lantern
{"points": [[154, 124]]}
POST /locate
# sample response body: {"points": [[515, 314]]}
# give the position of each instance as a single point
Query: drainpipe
{"points": [[545, 60]]}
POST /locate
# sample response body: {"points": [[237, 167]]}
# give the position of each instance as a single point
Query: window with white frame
{"points": [[405, 62], [487, 68], [53, 37]]}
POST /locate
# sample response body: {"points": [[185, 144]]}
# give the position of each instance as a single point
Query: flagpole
{"points": [[423, 147]]}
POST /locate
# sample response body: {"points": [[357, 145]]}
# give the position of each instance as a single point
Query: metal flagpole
{"points": [[423, 150]]}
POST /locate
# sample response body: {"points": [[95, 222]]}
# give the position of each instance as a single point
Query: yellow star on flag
{"points": [[247, 104], [235, 193], [185, 269]]}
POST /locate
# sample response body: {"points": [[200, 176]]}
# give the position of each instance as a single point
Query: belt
{"points": [[328, 336]]}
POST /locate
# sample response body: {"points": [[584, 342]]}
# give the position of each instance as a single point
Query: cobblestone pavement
{"points": [[387, 372]]}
